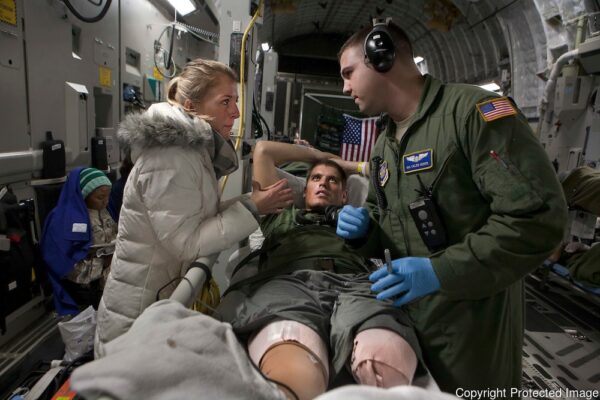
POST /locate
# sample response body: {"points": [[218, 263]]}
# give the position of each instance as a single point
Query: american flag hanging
{"points": [[358, 138]]}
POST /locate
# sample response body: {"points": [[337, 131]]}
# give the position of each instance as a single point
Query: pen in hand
{"points": [[388, 261]]}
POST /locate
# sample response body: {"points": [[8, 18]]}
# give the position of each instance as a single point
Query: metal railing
{"points": [[194, 280]]}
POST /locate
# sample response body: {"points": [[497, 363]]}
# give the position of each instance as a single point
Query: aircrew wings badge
{"points": [[421, 160], [491, 110]]}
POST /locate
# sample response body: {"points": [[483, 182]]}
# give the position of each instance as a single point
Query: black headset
{"points": [[379, 47]]}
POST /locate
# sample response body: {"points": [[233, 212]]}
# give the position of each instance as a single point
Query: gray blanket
{"points": [[171, 352]]}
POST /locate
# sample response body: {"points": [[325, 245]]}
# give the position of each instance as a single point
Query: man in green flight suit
{"points": [[467, 201]]}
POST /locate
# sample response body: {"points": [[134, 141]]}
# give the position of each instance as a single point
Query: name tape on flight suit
{"points": [[491, 110], [418, 161]]}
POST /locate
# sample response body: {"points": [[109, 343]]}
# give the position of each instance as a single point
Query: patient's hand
{"points": [[350, 167], [273, 199]]}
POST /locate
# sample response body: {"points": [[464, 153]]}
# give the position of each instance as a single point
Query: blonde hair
{"points": [[196, 79]]}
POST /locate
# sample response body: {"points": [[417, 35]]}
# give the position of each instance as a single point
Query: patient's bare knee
{"points": [[382, 358], [294, 354], [297, 367]]}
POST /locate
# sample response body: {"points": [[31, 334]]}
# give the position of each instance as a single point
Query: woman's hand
{"points": [[272, 199]]}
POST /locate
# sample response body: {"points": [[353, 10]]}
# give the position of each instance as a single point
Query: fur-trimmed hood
{"points": [[164, 125]]}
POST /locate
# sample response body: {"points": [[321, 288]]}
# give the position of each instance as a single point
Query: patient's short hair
{"points": [[329, 163]]}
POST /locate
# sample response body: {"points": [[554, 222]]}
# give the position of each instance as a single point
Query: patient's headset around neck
{"points": [[379, 47], [318, 216]]}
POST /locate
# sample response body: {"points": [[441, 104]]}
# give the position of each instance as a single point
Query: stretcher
{"points": [[194, 280], [199, 273]]}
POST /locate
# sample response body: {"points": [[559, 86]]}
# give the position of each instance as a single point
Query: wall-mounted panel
{"points": [[13, 103], [61, 48]]}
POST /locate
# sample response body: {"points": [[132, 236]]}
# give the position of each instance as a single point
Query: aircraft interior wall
{"points": [[67, 83]]}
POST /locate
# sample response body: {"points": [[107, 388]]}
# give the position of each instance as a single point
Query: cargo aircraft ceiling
{"points": [[511, 42]]}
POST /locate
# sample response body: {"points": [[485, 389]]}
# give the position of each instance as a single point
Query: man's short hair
{"points": [[404, 50], [329, 163]]}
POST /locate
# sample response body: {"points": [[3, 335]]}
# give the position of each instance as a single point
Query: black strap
{"points": [[204, 268], [272, 241], [245, 260], [314, 263], [379, 192]]}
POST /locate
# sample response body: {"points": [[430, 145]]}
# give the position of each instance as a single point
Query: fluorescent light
{"points": [[265, 46], [183, 7], [492, 87], [418, 59]]}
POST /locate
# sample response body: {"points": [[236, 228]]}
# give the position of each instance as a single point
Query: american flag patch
{"points": [[496, 108]]}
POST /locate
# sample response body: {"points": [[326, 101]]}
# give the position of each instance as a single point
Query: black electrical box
{"points": [[53, 157], [99, 155]]}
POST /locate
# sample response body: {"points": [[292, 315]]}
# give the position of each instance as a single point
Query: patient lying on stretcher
{"points": [[309, 312]]}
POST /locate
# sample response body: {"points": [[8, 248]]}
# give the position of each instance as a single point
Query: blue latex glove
{"points": [[353, 222], [412, 277]]}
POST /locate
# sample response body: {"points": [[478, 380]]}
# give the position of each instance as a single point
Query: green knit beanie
{"points": [[91, 179]]}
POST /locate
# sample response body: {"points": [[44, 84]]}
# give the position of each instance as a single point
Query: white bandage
{"points": [[382, 358], [288, 331]]}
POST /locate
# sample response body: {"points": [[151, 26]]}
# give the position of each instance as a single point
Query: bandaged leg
{"points": [[382, 358], [293, 354]]}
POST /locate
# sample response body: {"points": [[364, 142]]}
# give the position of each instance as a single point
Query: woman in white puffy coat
{"points": [[171, 213]]}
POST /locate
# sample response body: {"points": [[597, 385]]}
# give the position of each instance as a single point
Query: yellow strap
{"points": [[208, 298], [360, 168]]}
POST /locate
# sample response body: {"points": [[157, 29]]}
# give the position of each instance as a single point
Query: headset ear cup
{"points": [[379, 49]]}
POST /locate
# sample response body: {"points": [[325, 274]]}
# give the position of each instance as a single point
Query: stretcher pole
{"points": [[197, 274]]}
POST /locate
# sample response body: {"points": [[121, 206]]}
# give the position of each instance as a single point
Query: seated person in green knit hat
{"points": [[77, 240]]}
